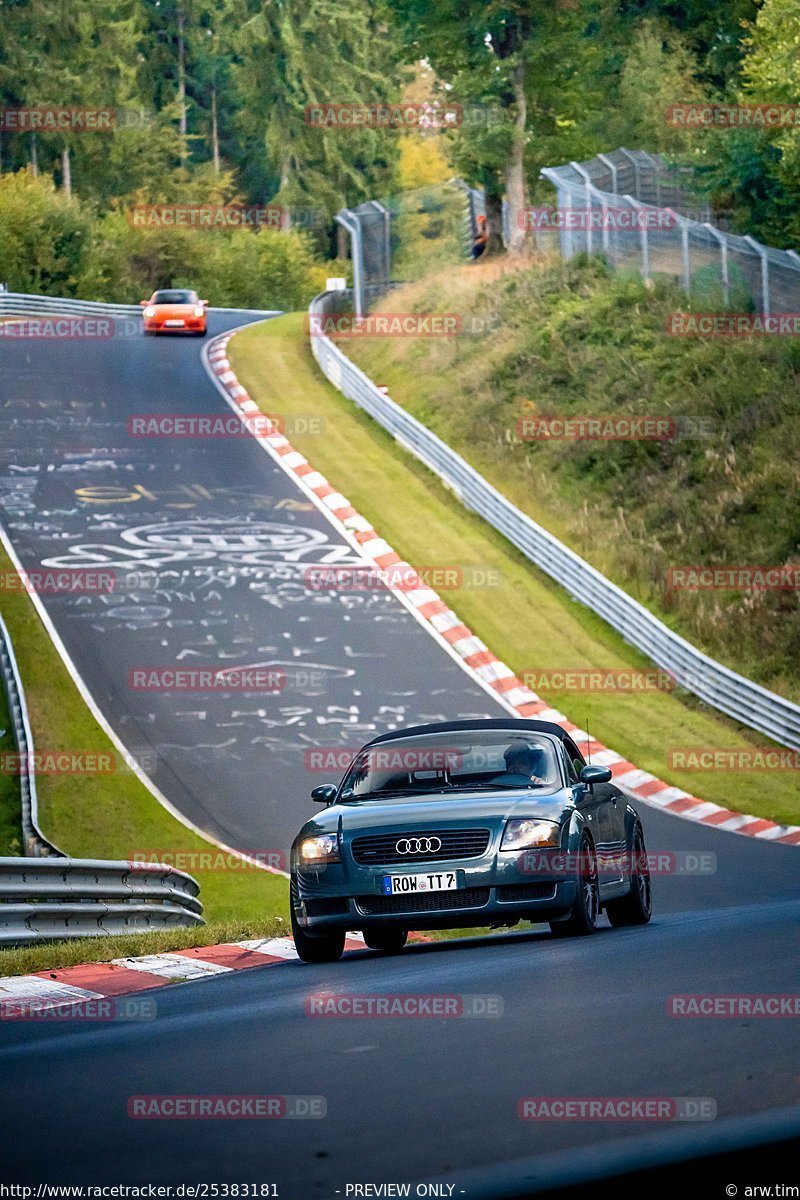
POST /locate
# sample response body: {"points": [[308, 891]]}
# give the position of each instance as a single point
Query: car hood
{"points": [[421, 812], [174, 310]]}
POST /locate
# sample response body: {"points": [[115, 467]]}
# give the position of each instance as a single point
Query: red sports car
{"points": [[175, 310]]}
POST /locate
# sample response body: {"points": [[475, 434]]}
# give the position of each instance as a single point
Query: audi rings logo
{"points": [[419, 845]]}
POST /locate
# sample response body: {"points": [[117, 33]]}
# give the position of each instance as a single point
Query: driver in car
{"points": [[526, 766]]}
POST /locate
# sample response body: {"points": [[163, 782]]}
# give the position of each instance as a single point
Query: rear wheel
{"points": [[319, 947], [637, 907], [585, 910], [385, 938]]}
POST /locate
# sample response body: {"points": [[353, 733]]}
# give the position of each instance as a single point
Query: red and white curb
{"points": [[46, 992], [473, 654]]}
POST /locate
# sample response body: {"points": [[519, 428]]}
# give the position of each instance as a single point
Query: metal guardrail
{"points": [[34, 841], [49, 896], [44, 899], [717, 685], [13, 304]]}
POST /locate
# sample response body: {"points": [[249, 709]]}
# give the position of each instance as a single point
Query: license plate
{"points": [[435, 881], [174, 324]]}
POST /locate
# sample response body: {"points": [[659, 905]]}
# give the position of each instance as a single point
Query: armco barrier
{"points": [[49, 896], [20, 304], [710, 681], [34, 841], [44, 899]]}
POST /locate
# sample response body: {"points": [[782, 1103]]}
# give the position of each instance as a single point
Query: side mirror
{"points": [[203, 302], [325, 793], [592, 775], [143, 303]]}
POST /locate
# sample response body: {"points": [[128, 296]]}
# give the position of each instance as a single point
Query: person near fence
{"points": [[481, 239]]}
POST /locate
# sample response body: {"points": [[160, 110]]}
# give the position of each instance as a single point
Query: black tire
{"points": [[637, 907], [385, 938], [585, 911], [317, 948]]}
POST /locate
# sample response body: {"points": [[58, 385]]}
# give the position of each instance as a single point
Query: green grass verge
{"points": [[114, 816], [25, 960], [576, 340], [528, 621]]}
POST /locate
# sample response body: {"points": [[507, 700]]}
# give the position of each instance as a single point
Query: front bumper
{"points": [[190, 325], [491, 891]]}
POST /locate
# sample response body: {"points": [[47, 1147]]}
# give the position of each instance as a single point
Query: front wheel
{"points": [[317, 948], [585, 910], [385, 938], [637, 907]]}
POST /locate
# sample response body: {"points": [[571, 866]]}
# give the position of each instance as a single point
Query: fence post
{"points": [[762, 254], [387, 245], [604, 216], [642, 238], [587, 183], [637, 187], [687, 279], [606, 161], [723, 261], [349, 221]]}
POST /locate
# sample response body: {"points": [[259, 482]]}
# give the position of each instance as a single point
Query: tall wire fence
{"points": [[404, 237], [641, 213], [637, 210]]}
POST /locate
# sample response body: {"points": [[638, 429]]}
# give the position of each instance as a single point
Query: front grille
{"points": [[380, 849], [430, 902], [519, 893], [330, 907]]}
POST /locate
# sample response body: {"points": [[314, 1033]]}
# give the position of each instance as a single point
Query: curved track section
{"points": [[208, 544]]}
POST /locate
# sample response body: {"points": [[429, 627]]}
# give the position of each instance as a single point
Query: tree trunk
{"points": [[516, 184], [66, 171], [494, 216], [34, 157], [182, 86], [214, 129]]}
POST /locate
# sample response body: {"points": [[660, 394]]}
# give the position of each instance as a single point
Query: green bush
{"points": [[57, 246], [44, 236]]}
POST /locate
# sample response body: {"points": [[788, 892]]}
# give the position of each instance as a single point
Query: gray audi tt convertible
{"points": [[466, 823]]}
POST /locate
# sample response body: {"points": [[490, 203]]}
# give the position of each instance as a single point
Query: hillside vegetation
{"points": [[575, 340]]}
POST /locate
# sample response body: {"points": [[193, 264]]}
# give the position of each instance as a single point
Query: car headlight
{"points": [[149, 311], [324, 848], [198, 310], [526, 833]]}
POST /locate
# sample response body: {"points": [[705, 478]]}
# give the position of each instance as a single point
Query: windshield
{"points": [[175, 296], [451, 762]]}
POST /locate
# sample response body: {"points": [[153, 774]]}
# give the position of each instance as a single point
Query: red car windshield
{"points": [[175, 296]]}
